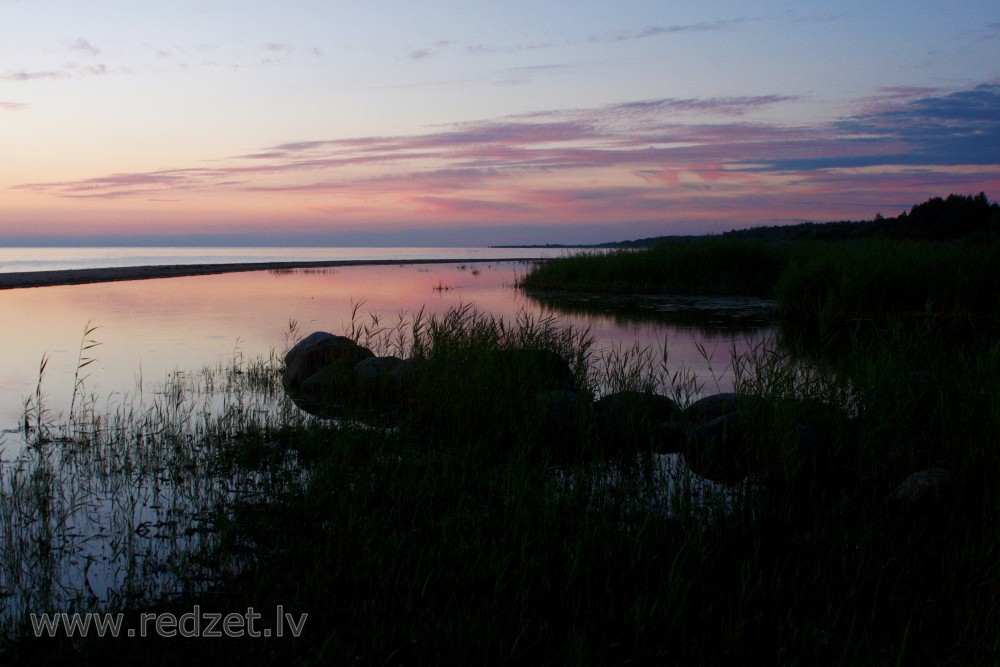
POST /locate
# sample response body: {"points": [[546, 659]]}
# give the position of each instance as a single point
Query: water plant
{"points": [[823, 291], [87, 343], [106, 508], [701, 266], [448, 538]]}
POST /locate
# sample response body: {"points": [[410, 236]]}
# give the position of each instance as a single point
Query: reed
{"points": [[697, 266], [824, 291], [449, 538], [833, 289]]}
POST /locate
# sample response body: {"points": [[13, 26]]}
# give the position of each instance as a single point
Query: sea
{"points": [[112, 523], [13, 260], [108, 341]]}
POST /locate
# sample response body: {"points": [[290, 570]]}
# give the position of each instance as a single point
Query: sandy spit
{"points": [[82, 276]]}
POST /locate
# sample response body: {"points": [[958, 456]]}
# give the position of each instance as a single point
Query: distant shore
{"points": [[25, 279]]}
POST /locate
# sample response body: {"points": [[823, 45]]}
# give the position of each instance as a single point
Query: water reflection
{"points": [[151, 328], [706, 314], [160, 506]]}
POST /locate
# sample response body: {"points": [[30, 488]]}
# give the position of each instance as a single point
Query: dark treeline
{"points": [[937, 219]]}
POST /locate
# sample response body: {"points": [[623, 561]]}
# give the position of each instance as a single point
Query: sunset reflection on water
{"points": [[150, 328]]}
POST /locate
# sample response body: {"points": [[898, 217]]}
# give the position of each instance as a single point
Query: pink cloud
{"points": [[457, 206], [619, 163], [32, 76]]}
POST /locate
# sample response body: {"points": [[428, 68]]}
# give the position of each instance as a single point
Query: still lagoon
{"points": [[150, 329], [112, 521]]}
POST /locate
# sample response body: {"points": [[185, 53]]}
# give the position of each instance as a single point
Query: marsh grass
{"points": [[449, 538], [823, 291], [87, 343], [699, 266], [831, 290], [112, 508]]}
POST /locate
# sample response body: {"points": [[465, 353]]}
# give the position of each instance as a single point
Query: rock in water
{"points": [[379, 382], [530, 369], [630, 421], [713, 406], [319, 372]]}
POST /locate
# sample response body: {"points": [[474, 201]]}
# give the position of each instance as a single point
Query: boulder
{"points": [[373, 373], [561, 403], [630, 421], [335, 380], [379, 386], [316, 351], [530, 369], [711, 407], [296, 369], [319, 372], [328, 391], [709, 433], [404, 374]]}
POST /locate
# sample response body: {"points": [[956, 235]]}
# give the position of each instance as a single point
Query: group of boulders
{"points": [[333, 376], [328, 376], [525, 388]]}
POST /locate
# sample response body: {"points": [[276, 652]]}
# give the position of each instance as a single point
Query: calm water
{"points": [[147, 329], [55, 259], [151, 328]]}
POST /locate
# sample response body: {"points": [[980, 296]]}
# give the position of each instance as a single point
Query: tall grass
{"points": [[449, 538], [829, 288], [448, 554], [822, 290], [111, 507], [700, 266]]}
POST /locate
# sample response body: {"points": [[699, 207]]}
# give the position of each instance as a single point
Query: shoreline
{"points": [[26, 279]]}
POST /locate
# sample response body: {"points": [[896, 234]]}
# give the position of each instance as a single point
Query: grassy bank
{"points": [[699, 266], [451, 539], [831, 287], [821, 289]]}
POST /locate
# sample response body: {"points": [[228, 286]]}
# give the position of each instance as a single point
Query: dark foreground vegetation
{"points": [[862, 527], [856, 520]]}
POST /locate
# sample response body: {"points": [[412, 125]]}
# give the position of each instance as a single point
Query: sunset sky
{"points": [[472, 123]]}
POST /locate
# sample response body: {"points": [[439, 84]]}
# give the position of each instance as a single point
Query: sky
{"points": [[449, 122]]}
